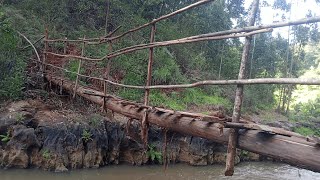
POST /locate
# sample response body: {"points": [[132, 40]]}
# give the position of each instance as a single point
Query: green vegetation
{"points": [[95, 120], [5, 138], [86, 136], [244, 153], [46, 154], [181, 100], [153, 154], [307, 131], [12, 65], [19, 118]]}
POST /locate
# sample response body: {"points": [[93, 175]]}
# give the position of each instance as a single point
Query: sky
{"points": [[299, 11]]}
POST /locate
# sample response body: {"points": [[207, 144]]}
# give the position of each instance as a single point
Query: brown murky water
{"points": [[244, 171]]}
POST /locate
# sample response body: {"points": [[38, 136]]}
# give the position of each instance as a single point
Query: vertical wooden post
{"points": [[106, 76], [144, 124], [79, 67], [233, 137], [46, 47], [65, 46]]}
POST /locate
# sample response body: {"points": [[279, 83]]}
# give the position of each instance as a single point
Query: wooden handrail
{"points": [[298, 81], [159, 44]]}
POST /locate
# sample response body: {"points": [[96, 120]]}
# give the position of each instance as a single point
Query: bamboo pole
{"points": [[144, 123], [233, 136], [79, 68]]}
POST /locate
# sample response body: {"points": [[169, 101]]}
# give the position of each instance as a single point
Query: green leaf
{"points": [[153, 156]]}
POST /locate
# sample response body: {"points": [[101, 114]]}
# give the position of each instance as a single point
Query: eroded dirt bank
{"points": [[35, 135]]}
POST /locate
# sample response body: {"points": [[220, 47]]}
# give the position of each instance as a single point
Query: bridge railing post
{"points": [[46, 47], [144, 123], [65, 46], [233, 136], [79, 67], [106, 76]]}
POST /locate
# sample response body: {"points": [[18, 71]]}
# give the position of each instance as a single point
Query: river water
{"points": [[244, 171]]}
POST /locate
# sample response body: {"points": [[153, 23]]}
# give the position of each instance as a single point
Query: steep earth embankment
{"points": [[34, 135]]}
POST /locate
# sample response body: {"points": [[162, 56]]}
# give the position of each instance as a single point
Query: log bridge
{"points": [[277, 143]]}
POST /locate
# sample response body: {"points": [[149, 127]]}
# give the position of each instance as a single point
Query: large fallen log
{"points": [[292, 150]]}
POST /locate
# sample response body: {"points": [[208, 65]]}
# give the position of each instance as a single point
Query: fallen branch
{"points": [[34, 48]]}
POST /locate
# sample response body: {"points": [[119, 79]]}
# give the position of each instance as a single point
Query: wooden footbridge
{"points": [[277, 143]]}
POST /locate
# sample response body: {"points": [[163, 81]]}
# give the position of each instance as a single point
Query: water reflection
{"points": [[244, 171]]}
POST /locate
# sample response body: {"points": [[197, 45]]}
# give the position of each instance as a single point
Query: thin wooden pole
{"points": [[298, 81], [144, 123], [45, 50], [65, 46], [233, 137], [182, 41], [221, 59], [252, 55], [106, 76], [198, 3], [79, 68], [160, 44]]}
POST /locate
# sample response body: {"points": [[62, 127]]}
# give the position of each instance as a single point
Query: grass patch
{"points": [[306, 131], [181, 100]]}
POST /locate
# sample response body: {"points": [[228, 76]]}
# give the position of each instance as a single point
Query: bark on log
{"points": [[292, 150]]}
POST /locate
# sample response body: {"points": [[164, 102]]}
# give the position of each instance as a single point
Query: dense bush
{"points": [[12, 65]]}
